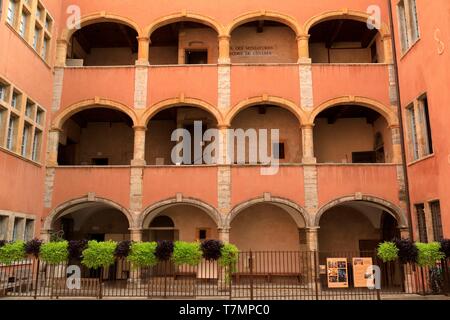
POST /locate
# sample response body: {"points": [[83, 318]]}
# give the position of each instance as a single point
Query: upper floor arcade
{"points": [[261, 37]]}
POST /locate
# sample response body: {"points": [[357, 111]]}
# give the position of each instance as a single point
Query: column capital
{"points": [[55, 129], [394, 126], [224, 37], [312, 229], [303, 37], [307, 126], [143, 39], [140, 128], [223, 127], [62, 41]]}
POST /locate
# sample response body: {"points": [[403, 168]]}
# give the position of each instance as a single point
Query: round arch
{"points": [[264, 15], [276, 101], [297, 213], [377, 106], [99, 17], [176, 102], [342, 14], [153, 210], [59, 210], [91, 104], [183, 16], [394, 210]]}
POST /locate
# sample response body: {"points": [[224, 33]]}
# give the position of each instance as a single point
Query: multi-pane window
{"points": [[425, 125], [435, 208], [414, 145], [421, 223], [408, 23], [3, 90], [3, 227], [11, 15], [29, 230], [21, 132], [18, 229], [35, 29], [11, 137], [22, 227]]}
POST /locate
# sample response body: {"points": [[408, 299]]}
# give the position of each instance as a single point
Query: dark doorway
{"points": [[97, 236], [196, 56]]}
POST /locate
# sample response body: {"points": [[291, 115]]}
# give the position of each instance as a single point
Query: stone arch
{"points": [[264, 99], [264, 15], [181, 101], [152, 210], [99, 17], [56, 212], [97, 102], [377, 106], [342, 14], [300, 212], [183, 16], [393, 209]]}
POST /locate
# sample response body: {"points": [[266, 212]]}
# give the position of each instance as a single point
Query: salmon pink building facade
{"points": [[91, 92]]}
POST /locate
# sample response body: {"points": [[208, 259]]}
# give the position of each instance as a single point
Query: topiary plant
{"points": [[12, 252], [76, 248], [99, 254], [164, 250], [229, 255], [33, 247], [186, 253], [212, 249], [387, 251], [54, 252], [445, 247], [122, 249], [429, 253], [142, 254], [407, 250]]}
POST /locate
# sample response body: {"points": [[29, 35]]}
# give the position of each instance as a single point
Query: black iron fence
{"points": [[256, 275]]}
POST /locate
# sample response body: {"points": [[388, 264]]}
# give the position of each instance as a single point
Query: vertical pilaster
{"points": [[140, 84], [306, 84], [139, 146], [224, 88], [308, 143], [136, 234], [311, 191], [396, 145], [224, 189], [61, 53], [224, 49], [52, 147], [312, 238], [224, 235]]}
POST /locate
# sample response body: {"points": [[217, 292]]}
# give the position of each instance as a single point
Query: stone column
{"points": [[404, 233], [45, 235], [135, 234], [139, 146], [143, 50], [312, 242], [61, 53], [312, 238], [308, 143], [52, 147], [224, 49], [396, 144], [303, 46], [224, 235]]}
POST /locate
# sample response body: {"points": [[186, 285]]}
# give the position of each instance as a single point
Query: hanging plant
{"points": [[3, 242], [99, 254], [33, 247], [76, 248], [187, 253], [429, 253], [12, 252], [142, 254], [164, 250], [387, 251], [54, 252], [123, 249], [212, 249], [407, 250], [445, 247], [229, 255]]}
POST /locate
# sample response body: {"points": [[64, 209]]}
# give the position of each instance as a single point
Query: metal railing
{"points": [[306, 275]]}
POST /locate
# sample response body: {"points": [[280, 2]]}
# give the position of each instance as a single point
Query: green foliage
{"points": [[12, 252], [187, 253], [142, 254], [229, 255], [99, 254], [388, 251], [429, 253], [54, 252]]}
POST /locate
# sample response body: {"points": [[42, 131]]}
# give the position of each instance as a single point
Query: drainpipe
{"points": [[400, 119]]}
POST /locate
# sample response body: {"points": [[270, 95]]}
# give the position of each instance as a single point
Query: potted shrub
{"points": [[229, 255], [142, 254], [33, 248], [429, 254], [407, 250], [76, 248], [12, 252], [185, 253], [445, 247], [55, 254], [99, 254], [212, 250], [387, 251], [123, 249], [164, 250]]}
